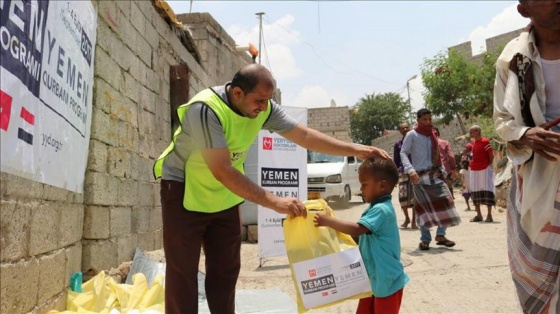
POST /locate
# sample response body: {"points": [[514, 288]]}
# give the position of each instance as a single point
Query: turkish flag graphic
{"points": [[5, 110]]}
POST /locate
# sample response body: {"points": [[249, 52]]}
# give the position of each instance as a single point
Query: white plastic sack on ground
{"points": [[141, 263]]}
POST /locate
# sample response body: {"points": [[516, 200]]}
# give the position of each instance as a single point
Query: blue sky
{"points": [[343, 50]]}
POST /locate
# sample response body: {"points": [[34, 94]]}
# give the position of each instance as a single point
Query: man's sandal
{"points": [[476, 219], [489, 219], [446, 242], [424, 246]]}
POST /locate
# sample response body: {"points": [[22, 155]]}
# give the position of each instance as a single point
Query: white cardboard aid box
{"points": [[330, 278]]}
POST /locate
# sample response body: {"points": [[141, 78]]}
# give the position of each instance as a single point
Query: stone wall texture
{"points": [[333, 121], [48, 233]]}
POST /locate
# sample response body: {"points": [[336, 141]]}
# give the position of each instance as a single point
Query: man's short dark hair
{"points": [[423, 111], [437, 130], [248, 77], [381, 169]]}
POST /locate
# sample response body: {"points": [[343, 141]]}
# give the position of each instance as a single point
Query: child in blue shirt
{"points": [[378, 235]]}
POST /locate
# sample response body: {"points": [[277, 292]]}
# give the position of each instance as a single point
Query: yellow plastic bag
{"points": [[326, 265], [101, 294]]}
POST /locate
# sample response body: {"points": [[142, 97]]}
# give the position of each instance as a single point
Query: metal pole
{"points": [[260, 14], [409, 103], [411, 115]]}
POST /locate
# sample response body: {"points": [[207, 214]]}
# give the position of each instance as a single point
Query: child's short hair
{"points": [[381, 169]]}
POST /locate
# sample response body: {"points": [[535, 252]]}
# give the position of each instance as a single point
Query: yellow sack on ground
{"points": [[101, 294], [326, 265]]}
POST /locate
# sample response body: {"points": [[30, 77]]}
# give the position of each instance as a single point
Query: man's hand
{"points": [[542, 141], [290, 206], [372, 152], [414, 177]]}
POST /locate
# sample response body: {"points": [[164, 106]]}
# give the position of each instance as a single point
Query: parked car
{"points": [[333, 178]]}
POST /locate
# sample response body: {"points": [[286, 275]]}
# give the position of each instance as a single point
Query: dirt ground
{"points": [[472, 277]]}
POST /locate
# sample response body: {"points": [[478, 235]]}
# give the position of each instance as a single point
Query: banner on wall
{"points": [[46, 66], [282, 170]]}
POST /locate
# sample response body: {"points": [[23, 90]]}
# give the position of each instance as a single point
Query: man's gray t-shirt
{"points": [[201, 129]]}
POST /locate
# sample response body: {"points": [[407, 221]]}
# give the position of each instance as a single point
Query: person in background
{"points": [[466, 154], [448, 161], [433, 203], [527, 117], [379, 239], [203, 183], [465, 177], [405, 185], [481, 174]]}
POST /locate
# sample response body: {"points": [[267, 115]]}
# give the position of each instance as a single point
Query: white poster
{"points": [[329, 278], [46, 66], [283, 171]]}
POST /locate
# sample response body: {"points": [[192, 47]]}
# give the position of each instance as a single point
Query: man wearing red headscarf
{"points": [[433, 202]]}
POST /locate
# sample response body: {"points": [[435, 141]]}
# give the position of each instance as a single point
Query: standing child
{"points": [[465, 177], [379, 239]]}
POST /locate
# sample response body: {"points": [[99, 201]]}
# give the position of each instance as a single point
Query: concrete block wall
{"points": [[333, 121], [493, 44], [387, 141], [135, 49], [464, 49], [453, 130], [497, 43], [217, 49], [40, 244], [47, 233]]}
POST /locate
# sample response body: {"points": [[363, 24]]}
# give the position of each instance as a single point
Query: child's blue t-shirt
{"points": [[381, 249]]}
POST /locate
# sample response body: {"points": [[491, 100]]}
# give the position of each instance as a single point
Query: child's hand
{"points": [[320, 220]]}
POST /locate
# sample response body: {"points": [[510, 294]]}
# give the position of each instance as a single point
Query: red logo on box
{"points": [[267, 143], [312, 273], [325, 293]]}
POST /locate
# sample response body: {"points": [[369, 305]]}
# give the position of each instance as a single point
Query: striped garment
{"points": [[405, 191], [433, 203], [481, 183], [534, 265]]}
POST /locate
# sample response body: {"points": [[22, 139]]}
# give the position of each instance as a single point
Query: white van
{"points": [[333, 178]]}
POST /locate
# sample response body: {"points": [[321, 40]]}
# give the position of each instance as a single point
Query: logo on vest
{"points": [[235, 156]]}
